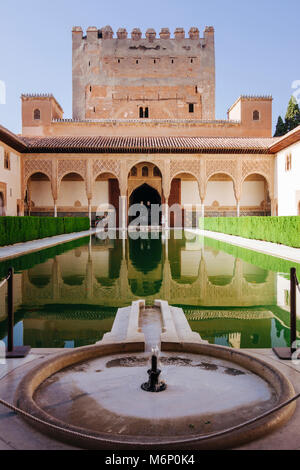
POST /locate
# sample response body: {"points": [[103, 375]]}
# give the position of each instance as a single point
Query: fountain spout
{"points": [[153, 384]]}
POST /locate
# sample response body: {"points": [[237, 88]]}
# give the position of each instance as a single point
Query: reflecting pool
{"points": [[68, 295]]}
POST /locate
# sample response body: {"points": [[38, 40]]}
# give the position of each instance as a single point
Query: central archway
{"points": [[147, 196]]}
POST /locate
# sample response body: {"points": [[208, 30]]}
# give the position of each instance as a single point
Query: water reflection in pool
{"points": [[67, 296]]}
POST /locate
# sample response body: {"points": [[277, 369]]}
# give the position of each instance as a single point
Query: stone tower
{"points": [[143, 77]]}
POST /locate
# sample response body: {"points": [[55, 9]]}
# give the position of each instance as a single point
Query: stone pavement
{"points": [[11, 251]]}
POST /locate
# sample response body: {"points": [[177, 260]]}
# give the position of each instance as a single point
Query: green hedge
{"points": [[283, 230], [22, 229]]}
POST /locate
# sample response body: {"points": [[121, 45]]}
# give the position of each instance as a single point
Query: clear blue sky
{"points": [[257, 44]]}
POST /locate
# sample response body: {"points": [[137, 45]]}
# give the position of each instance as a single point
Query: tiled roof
{"points": [[12, 140], [94, 144], [285, 141]]}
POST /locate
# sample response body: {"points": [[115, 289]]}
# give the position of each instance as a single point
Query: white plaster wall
{"points": [[101, 194], [70, 192], [221, 191], [41, 193], [235, 113], [253, 193], [190, 192], [12, 178], [288, 182]]}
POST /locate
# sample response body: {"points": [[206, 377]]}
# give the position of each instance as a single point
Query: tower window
{"points": [[191, 107], [119, 61], [37, 115], [94, 109], [172, 61], [145, 171], [136, 61], [154, 61], [143, 113], [192, 61], [90, 89], [196, 89], [256, 115], [6, 160]]}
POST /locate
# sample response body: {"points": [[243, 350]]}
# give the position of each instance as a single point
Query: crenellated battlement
{"points": [[143, 74], [107, 32]]}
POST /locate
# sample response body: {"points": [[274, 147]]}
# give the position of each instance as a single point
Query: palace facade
{"points": [[144, 129]]}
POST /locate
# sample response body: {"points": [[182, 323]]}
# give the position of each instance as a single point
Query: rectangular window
{"points": [[288, 162], [191, 107], [6, 160]]}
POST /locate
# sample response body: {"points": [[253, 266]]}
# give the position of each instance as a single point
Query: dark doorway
{"points": [[146, 195]]}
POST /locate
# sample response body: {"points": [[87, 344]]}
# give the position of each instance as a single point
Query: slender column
{"points": [[123, 207], [237, 186], [29, 196], [123, 185], [237, 208], [166, 213], [202, 189], [202, 208], [54, 186]]}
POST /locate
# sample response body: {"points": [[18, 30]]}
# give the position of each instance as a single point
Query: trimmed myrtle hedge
{"points": [[22, 229], [283, 230]]}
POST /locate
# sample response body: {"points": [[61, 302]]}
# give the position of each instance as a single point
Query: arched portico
{"points": [[38, 198], [72, 197], [177, 177], [255, 195], [184, 200], [220, 199], [106, 194]]}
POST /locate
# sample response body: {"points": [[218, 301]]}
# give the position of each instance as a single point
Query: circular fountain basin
{"points": [[96, 391]]}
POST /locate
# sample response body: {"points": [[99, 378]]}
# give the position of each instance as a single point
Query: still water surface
{"points": [[67, 296]]}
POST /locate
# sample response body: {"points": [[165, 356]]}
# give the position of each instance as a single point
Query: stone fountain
{"points": [[93, 397]]}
